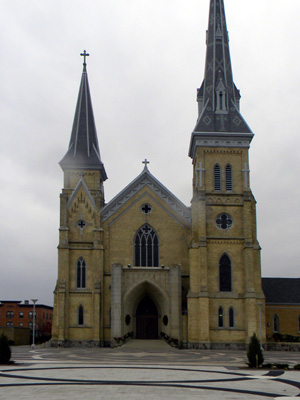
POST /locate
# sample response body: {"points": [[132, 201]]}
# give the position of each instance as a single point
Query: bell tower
{"points": [[225, 301], [78, 295]]}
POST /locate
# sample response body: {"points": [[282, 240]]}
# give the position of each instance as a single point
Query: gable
{"points": [[147, 180], [81, 185]]}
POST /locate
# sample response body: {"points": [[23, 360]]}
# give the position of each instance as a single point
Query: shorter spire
{"points": [[83, 152]]}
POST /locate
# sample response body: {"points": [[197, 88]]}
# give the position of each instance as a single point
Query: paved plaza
{"points": [[144, 370]]}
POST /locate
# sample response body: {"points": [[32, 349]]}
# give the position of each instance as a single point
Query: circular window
{"points": [[224, 221], [146, 208]]}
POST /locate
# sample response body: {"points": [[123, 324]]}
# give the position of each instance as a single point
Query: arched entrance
{"points": [[146, 319]]}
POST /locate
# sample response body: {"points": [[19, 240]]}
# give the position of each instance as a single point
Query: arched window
{"points": [[220, 317], [231, 317], [217, 177], [275, 323], [228, 175], [146, 247], [81, 273], [80, 315], [225, 274]]}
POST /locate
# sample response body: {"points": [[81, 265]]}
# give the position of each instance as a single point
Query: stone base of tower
{"points": [[79, 343], [214, 346]]}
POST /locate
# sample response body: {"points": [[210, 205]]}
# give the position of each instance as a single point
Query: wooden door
{"points": [[146, 320]]}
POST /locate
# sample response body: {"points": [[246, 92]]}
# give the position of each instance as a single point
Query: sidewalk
{"points": [[140, 370]]}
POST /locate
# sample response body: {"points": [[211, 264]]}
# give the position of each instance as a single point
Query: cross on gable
{"points": [[146, 162]]}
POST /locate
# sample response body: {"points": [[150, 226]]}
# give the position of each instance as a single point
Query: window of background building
{"points": [[275, 323], [9, 314]]}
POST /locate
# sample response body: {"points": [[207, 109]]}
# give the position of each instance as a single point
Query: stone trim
{"points": [[146, 179], [152, 198]]}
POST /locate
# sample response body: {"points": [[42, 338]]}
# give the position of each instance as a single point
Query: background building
{"points": [[282, 308], [15, 314]]}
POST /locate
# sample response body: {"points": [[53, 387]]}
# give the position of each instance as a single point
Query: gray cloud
{"points": [[147, 59]]}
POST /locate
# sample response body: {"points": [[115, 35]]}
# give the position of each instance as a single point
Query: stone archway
{"points": [[146, 319], [135, 306]]}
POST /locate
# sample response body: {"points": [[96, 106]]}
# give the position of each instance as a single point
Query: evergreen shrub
{"points": [[5, 352], [254, 354]]}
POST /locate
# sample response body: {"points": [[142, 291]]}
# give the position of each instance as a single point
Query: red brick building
{"points": [[16, 314]]}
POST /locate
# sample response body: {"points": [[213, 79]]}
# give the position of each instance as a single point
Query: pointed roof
{"points": [[83, 151], [218, 96], [146, 179]]}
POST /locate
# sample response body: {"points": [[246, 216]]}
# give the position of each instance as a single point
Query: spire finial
{"points": [[84, 55], [146, 162]]}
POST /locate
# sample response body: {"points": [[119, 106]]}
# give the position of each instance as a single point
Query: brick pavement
{"points": [[141, 371]]}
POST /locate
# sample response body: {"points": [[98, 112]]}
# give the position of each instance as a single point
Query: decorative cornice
{"points": [[80, 294], [116, 216], [219, 151], [224, 139], [225, 241], [217, 200], [80, 246]]}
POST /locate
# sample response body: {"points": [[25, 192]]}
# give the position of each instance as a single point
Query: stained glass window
{"points": [[146, 247], [81, 273], [225, 274], [220, 318]]}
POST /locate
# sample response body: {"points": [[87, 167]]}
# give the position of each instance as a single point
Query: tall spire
{"points": [[83, 151], [218, 97]]}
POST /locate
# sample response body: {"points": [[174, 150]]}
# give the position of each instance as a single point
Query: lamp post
{"points": [[33, 322], [260, 326]]}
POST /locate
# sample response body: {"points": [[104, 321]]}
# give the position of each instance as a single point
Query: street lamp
{"points": [[260, 325], [33, 323]]}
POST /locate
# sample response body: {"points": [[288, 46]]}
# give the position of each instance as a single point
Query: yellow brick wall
{"points": [[288, 319], [121, 228]]}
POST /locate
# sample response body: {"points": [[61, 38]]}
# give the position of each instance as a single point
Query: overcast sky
{"points": [[146, 62]]}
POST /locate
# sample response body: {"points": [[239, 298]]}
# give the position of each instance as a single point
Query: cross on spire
{"points": [[146, 162], [84, 55]]}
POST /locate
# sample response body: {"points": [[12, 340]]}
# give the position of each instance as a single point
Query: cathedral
{"points": [[145, 265]]}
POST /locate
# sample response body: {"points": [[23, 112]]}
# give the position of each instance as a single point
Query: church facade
{"points": [[145, 264]]}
